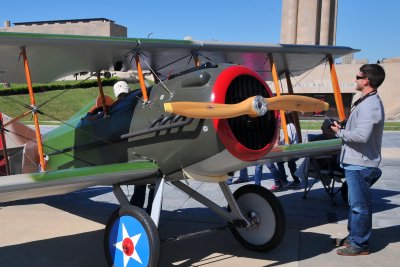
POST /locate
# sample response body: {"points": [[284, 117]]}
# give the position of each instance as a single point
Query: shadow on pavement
{"points": [[84, 249], [216, 247]]}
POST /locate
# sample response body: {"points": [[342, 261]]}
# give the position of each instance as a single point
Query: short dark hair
{"points": [[375, 74]]}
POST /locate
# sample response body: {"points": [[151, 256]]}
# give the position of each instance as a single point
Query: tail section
{"points": [[3, 151], [18, 143]]}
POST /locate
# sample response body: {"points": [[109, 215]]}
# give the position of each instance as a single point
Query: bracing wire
{"points": [[49, 147], [106, 66]]}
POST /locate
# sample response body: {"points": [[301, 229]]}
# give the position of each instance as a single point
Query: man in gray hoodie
{"points": [[360, 157]]}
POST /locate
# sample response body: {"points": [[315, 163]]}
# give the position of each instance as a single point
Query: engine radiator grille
{"points": [[253, 133]]}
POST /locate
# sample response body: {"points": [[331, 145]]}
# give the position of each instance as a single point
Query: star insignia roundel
{"points": [[129, 243]]}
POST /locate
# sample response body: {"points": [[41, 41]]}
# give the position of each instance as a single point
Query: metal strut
{"points": [[3, 142], [157, 202], [141, 79], [275, 77], [295, 114], [101, 91], [34, 110], [195, 55], [336, 89], [235, 216]]}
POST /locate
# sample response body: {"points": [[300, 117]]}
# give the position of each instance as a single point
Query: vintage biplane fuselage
{"points": [[201, 123], [133, 130]]}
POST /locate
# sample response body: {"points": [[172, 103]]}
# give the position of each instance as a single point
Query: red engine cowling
{"points": [[246, 138]]}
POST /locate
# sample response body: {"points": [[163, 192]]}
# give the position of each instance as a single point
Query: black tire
{"points": [[147, 246], [270, 229]]}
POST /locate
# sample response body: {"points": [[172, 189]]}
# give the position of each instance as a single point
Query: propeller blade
{"points": [[253, 106], [295, 103]]}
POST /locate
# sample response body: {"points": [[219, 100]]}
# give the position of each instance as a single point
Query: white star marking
{"points": [[134, 239]]}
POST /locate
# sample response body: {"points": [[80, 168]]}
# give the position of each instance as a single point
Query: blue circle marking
{"points": [[129, 227]]}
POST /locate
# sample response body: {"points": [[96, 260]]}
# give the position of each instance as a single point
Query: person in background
{"points": [[121, 89], [139, 196], [280, 178], [360, 157], [243, 177], [281, 182], [278, 171], [327, 133]]}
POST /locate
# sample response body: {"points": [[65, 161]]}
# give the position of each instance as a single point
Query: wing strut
{"points": [[295, 114], [141, 78], [196, 60], [336, 89], [101, 91], [34, 110], [26, 113], [278, 93], [3, 145]]}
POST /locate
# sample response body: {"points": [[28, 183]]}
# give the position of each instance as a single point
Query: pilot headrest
{"points": [[121, 87]]}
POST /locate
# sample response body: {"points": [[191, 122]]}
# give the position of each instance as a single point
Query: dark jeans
{"points": [[243, 176], [139, 196], [292, 167], [359, 196], [279, 178]]}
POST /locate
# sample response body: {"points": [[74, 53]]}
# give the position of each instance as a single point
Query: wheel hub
{"points": [[128, 247], [253, 218]]}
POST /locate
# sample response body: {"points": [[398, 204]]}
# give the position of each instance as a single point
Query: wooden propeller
{"points": [[253, 106], [296, 103]]}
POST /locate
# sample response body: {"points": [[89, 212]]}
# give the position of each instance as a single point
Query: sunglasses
{"points": [[360, 77]]}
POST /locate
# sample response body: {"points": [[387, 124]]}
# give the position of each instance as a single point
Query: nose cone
{"points": [[259, 105]]}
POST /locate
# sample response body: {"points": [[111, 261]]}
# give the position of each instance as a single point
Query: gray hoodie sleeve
{"points": [[360, 132]]}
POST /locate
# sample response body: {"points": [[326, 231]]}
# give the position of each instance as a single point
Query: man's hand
{"points": [[336, 127]]}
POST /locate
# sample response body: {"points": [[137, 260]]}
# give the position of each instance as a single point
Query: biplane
{"points": [[208, 114]]}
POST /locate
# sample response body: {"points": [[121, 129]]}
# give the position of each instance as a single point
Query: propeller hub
{"points": [[259, 105]]}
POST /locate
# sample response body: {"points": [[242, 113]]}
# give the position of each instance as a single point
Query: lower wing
{"points": [[24, 186], [285, 153]]}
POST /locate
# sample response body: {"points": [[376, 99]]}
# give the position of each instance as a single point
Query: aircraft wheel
{"points": [[263, 208], [131, 239]]}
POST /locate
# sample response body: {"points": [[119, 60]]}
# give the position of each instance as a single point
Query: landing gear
{"points": [[254, 213], [131, 238], [266, 216]]}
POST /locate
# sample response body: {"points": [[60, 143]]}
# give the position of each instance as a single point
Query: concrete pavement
{"points": [[68, 230]]}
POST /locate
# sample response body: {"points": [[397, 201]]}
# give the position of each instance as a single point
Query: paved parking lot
{"points": [[68, 230]]}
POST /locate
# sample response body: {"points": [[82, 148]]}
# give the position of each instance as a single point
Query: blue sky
{"points": [[363, 24]]}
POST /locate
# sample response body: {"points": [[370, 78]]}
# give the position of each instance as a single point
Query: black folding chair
{"points": [[325, 169]]}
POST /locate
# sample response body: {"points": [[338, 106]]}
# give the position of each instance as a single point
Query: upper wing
{"points": [[23, 186], [285, 153], [56, 56]]}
